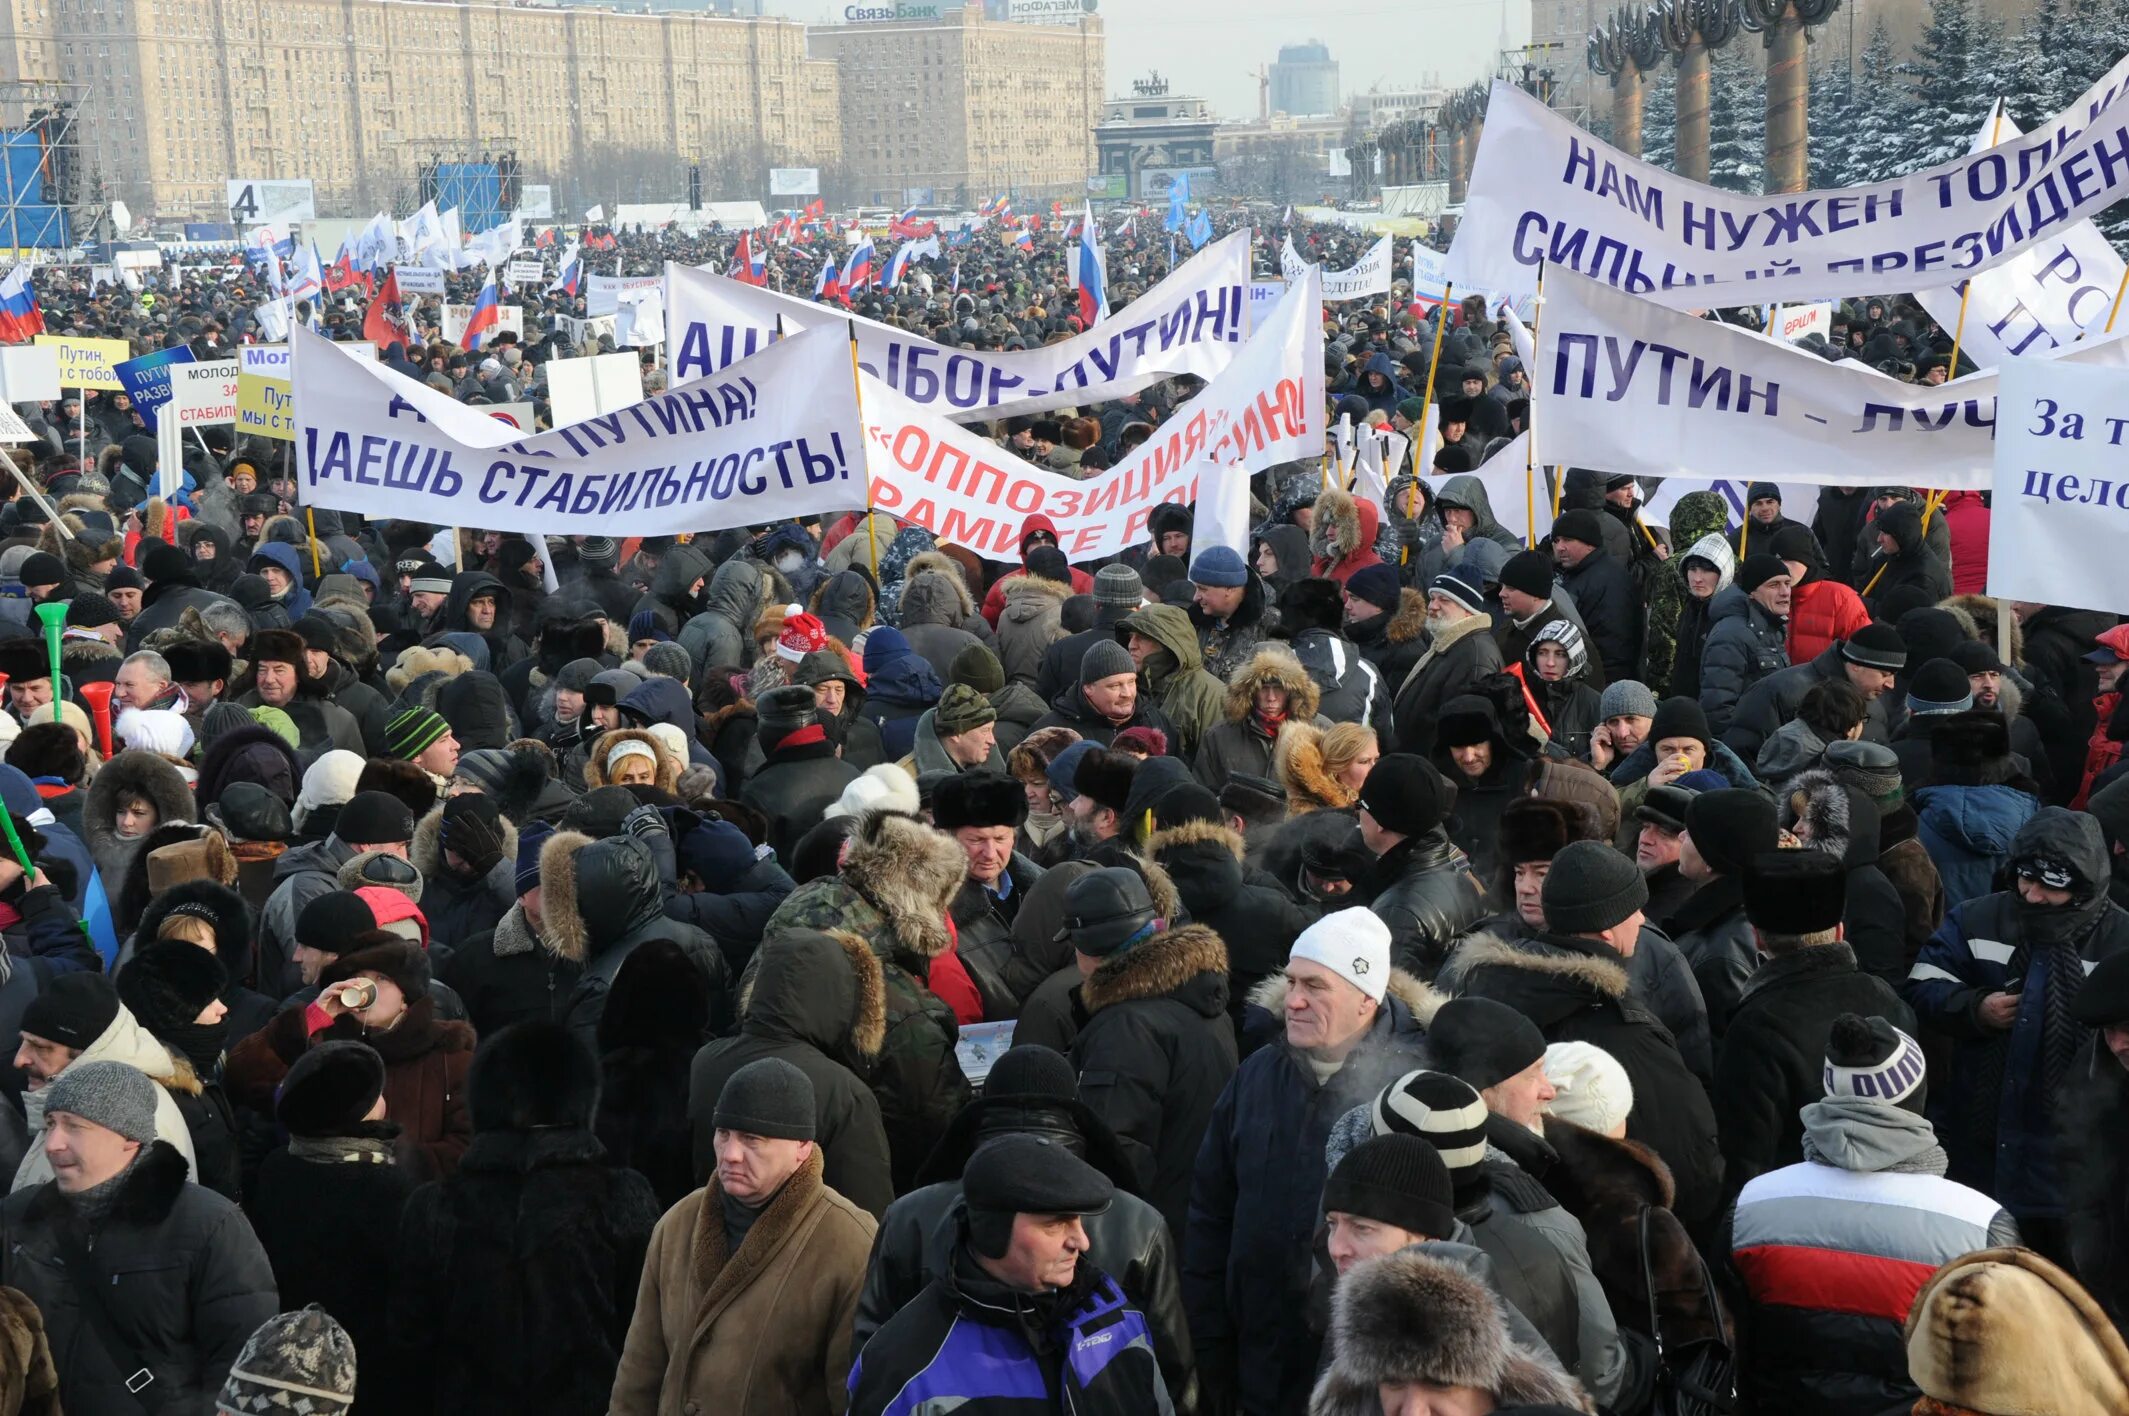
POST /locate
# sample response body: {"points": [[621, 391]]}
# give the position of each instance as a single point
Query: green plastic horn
{"points": [[54, 615]]}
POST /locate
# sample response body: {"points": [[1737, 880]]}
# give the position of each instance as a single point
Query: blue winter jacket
{"points": [[899, 685], [283, 555], [1968, 833]]}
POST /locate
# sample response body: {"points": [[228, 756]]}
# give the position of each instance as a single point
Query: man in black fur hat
{"points": [[982, 811]]}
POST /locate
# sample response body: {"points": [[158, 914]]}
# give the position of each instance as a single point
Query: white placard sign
{"points": [[1626, 386], [1794, 322], [419, 280], [774, 437], [1370, 275], [507, 317], [1543, 189], [2061, 503], [204, 393], [1193, 322], [599, 383], [602, 293], [794, 181], [525, 272]]}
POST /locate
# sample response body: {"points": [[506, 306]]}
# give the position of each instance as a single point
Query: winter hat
{"points": [[197, 660], [1666, 806], [1871, 768], [113, 1095], [1405, 794], [1107, 911], [277, 722], [330, 920], [598, 553], [168, 982], [1758, 569], [1939, 686], [978, 799], [783, 711], [413, 732], [767, 1097], [978, 668], [668, 661], [1459, 583], [802, 634], [1680, 718], [167, 562], [1485, 1042], [1876, 646], [295, 1363], [1395, 1179], [90, 612], [1412, 410], [883, 645], [1048, 563], [715, 850], [1871, 1060], [886, 787], [1353, 944], [1179, 806], [1581, 525], [1975, 1321], [221, 719], [1118, 587], [962, 709], [1377, 584], [329, 1089], [1443, 1110], [1529, 572], [1626, 698], [1105, 658], [1730, 827], [609, 686], [74, 1009], [1590, 1088], [1795, 893], [531, 837], [1062, 769], [1974, 657], [1592, 888], [1219, 567], [374, 819], [1019, 1173], [41, 568]]}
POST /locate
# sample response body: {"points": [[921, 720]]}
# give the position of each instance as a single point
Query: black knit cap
{"points": [[1404, 794], [1580, 524], [767, 1097], [330, 921], [1189, 802], [1795, 892], [1529, 572], [73, 1009], [374, 819], [1395, 1179], [1975, 657], [1730, 827], [1876, 646], [1758, 569], [1031, 1072], [1485, 1042], [1591, 888], [168, 983], [1680, 718]]}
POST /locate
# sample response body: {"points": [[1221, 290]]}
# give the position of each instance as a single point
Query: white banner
{"points": [[776, 437], [453, 324], [1263, 296], [526, 271], [204, 393], [1543, 189], [1220, 516], [586, 387], [419, 280], [1370, 275], [794, 181], [2061, 503], [1266, 407], [1626, 386], [1794, 322], [2041, 301], [1515, 489], [1193, 322], [602, 295]]}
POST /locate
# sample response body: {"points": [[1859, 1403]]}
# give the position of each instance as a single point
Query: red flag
{"points": [[386, 322]]}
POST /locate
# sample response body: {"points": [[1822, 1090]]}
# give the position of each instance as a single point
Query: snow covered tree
{"points": [[1737, 120], [1659, 116], [1952, 84]]}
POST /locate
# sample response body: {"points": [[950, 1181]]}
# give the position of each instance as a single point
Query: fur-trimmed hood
{"points": [[1343, 525], [1549, 983], [926, 604], [595, 758], [1297, 761], [232, 925], [1030, 597], [1979, 614], [1410, 1316], [824, 988], [1156, 968], [131, 773], [561, 925], [1274, 667], [426, 850], [910, 874], [1409, 620], [1606, 1171]]}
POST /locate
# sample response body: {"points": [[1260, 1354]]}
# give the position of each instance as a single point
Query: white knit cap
{"points": [[1590, 1088], [330, 781], [671, 741], [1353, 944], [627, 748], [155, 730], [882, 788]]}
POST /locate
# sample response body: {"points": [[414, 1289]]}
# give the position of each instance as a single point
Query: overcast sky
{"points": [[1211, 48]]}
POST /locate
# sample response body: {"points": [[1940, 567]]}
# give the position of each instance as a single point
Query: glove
{"points": [[472, 830], [644, 821]]}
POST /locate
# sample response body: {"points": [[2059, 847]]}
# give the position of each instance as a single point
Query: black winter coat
{"points": [[1257, 923], [2095, 1178], [621, 904], [1774, 700], [1154, 1053], [1712, 932], [305, 1211], [1603, 591], [643, 1115], [518, 1276], [1745, 644], [1773, 1057], [1428, 895], [820, 1005], [511, 974], [792, 788], [181, 1274], [1460, 657], [734, 912], [1578, 992], [1069, 709], [984, 926]]}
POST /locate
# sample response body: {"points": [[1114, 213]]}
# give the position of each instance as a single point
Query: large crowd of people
{"points": [[464, 971]]}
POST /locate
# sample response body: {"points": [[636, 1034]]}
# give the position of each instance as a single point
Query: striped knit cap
{"points": [[1446, 1112], [410, 733], [1871, 1060]]}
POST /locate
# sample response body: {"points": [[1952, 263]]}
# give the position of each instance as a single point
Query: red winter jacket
{"points": [[1822, 613], [1967, 518], [994, 602], [2103, 749]]}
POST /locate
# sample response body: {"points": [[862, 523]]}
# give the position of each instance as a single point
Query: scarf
{"points": [[1270, 721], [94, 1203], [202, 1044], [341, 1150], [948, 978], [2054, 936]]}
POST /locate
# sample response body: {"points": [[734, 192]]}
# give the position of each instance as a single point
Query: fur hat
{"points": [[532, 1075], [658, 998], [280, 646], [1535, 829], [1976, 1328], [1105, 776], [329, 1089], [402, 961], [1410, 1317], [978, 799]]}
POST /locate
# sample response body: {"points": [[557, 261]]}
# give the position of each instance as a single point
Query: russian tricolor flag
{"points": [[1024, 239], [858, 274], [1093, 279], [486, 317], [20, 319], [830, 285], [572, 271]]}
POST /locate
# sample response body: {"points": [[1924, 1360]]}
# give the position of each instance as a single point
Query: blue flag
{"points": [[1200, 230], [1178, 194]]}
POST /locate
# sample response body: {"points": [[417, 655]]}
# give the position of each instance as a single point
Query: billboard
{"points": [[256, 201], [1048, 12], [794, 181], [1109, 186], [535, 203]]}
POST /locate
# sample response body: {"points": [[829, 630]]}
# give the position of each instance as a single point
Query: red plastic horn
{"points": [[98, 697]]}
